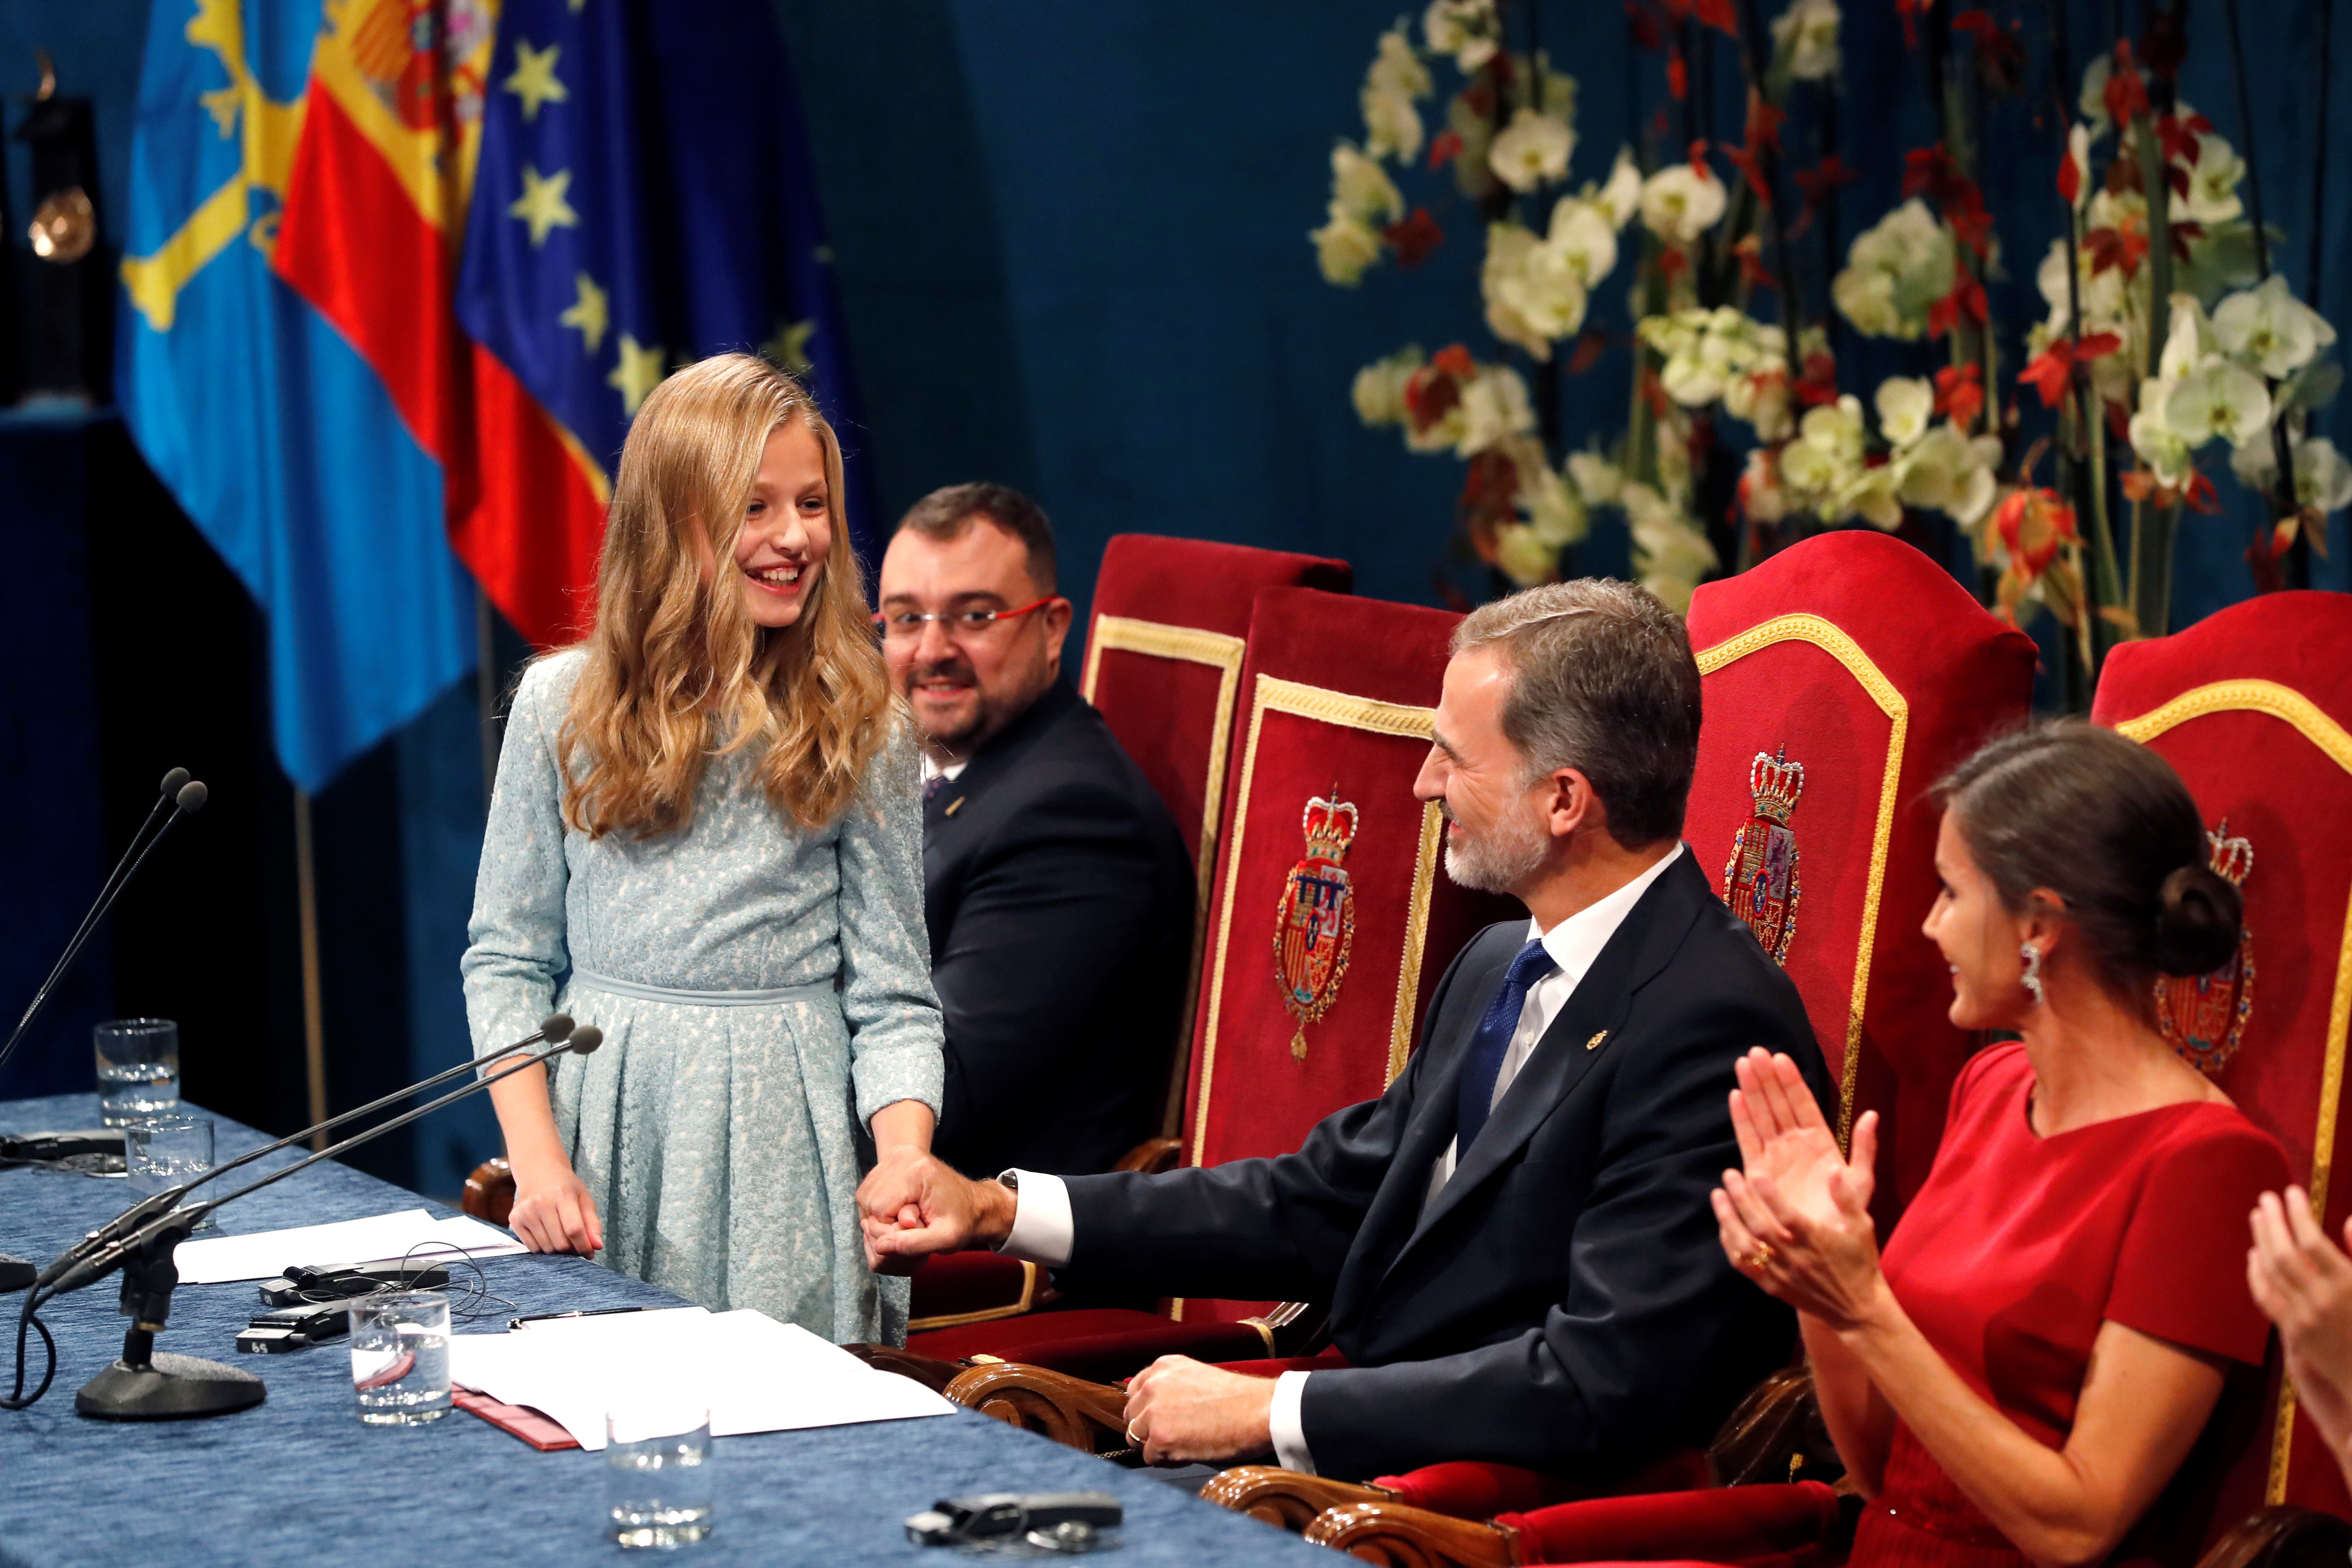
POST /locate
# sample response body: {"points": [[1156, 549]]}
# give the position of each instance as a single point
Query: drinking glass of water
{"points": [[163, 1152], [657, 1476], [400, 1357], [138, 1069]]}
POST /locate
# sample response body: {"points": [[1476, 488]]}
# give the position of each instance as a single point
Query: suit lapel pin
{"points": [[954, 806], [1594, 1043]]}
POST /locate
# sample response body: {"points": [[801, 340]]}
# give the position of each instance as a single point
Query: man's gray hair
{"points": [[1602, 681]]}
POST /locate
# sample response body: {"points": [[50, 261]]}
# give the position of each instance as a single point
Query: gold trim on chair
{"points": [[1223, 654], [1834, 642], [1277, 696], [2308, 720], [1029, 1277]]}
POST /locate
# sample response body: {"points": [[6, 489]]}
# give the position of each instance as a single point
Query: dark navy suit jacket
{"points": [[1059, 900], [1563, 1303]]}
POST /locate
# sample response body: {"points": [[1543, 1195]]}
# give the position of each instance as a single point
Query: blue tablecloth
{"points": [[300, 1479]]}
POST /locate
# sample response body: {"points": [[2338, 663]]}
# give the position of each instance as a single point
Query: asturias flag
{"points": [[274, 438]]}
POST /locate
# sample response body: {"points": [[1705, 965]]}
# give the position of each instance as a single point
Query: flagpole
{"points": [[314, 1029], [486, 691]]}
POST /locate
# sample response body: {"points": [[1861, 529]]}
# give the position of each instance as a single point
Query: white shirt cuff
{"points": [[1289, 1430], [1042, 1227]]}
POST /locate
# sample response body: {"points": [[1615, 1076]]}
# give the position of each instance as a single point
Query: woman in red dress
{"points": [[2020, 1376]]}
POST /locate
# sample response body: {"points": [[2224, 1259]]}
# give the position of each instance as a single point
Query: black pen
{"points": [[591, 1313]]}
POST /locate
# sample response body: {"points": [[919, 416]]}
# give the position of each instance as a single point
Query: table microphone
{"points": [[185, 797], [144, 1385]]}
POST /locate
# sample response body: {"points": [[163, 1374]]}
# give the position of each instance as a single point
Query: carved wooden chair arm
{"points": [[929, 1371], [1395, 1536], [2282, 1537], [1284, 1499], [1153, 1156], [1088, 1416], [490, 1191]]}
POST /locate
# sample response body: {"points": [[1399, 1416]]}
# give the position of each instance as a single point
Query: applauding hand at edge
{"points": [[2303, 1282], [1797, 1220]]}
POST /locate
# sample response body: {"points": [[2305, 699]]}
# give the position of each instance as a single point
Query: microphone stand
{"points": [[148, 1384], [186, 798]]}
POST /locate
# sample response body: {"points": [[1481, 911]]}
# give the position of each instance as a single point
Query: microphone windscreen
{"points": [[192, 797], [585, 1040], [173, 781], [555, 1027]]}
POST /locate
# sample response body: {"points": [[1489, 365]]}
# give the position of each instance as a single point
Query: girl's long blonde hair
{"points": [[678, 671]]}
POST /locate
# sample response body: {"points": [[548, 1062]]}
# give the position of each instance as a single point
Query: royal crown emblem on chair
{"points": [[1315, 924], [1760, 882], [2204, 1017]]}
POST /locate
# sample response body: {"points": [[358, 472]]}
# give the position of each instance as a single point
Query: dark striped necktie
{"points": [[1475, 1096]]}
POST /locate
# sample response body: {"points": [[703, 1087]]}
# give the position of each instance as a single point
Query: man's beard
{"points": [[1499, 857], [958, 740]]}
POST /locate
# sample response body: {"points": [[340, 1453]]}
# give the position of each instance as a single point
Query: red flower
{"points": [[1444, 149], [1744, 160], [1819, 384], [1751, 268], [2053, 366], [1455, 361], [1959, 392], [1930, 171], [1816, 184], [1414, 237], [2070, 175], [2000, 58], [2125, 246], [2179, 136], [1965, 303], [2033, 524], [2127, 93]]}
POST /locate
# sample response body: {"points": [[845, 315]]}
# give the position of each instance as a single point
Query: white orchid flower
{"points": [[2322, 476], [1950, 473], [1345, 246], [1805, 39], [1553, 509], [1391, 125], [1761, 398], [2160, 451], [1585, 238], [1532, 150], [2092, 102], [1620, 197], [1377, 391], [1467, 29], [1523, 556], [1679, 203], [1895, 271], [2270, 329], [2214, 183], [1762, 497], [2219, 399], [2188, 342], [1362, 189], [1531, 294], [1905, 405], [1873, 494], [1495, 408], [1834, 429], [1398, 68], [1596, 478]]}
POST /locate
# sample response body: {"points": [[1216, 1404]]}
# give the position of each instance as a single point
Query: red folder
{"points": [[520, 1420]]}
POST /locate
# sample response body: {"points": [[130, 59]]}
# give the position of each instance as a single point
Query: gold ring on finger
{"points": [[1761, 1258], [1133, 1441]]}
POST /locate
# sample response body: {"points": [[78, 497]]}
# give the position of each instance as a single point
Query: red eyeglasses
{"points": [[905, 625]]}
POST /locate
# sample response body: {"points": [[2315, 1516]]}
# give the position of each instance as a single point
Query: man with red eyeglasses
{"points": [[1057, 889]]}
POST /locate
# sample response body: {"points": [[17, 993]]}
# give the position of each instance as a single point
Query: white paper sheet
{"points": [[751, 1373], [215, 1260]]}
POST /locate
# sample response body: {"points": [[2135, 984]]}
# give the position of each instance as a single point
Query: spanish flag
{"points": [[374, 222]]}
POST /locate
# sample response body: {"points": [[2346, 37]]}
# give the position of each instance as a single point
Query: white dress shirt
{"points": [[1043, 1230], [932, 770]]}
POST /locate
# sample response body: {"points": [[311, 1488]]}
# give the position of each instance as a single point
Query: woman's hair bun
{"points": [[2196, 922]]}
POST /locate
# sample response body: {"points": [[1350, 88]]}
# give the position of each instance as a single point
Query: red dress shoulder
{"points": [[2019, 1247]]}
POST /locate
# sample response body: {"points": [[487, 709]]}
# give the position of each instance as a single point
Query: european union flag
{"points": [[274, 438], [644, 198]]}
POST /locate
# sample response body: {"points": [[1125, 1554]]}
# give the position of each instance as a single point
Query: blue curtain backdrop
{"points": [[1071, 244]]}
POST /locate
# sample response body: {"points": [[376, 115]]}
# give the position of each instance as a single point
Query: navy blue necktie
{"points": [[933, 786], [1495, 1028]]}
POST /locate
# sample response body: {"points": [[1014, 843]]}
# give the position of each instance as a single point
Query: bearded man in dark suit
{"points": [[1055, 884], [1515, 1241]]}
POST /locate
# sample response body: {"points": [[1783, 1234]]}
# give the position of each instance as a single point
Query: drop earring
{"points": [[2032, 977]]}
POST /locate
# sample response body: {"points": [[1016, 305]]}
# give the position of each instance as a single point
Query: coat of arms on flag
{"points": [[1314, 923], [1760, 882], [2204, 1017]]}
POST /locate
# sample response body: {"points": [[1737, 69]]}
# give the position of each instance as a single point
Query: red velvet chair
{"points": [[1335, 723], [2254, 706], [1162, 666], [1841, 677]]}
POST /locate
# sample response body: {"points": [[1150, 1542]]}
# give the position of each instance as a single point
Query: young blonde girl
{"points": [[707, 812]]}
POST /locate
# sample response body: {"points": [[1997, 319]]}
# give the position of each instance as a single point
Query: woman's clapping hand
{"points": [[1797, 1219], [2303, 1282]]}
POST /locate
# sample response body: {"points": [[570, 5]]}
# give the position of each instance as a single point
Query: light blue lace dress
{"points": [[719, 1133]]}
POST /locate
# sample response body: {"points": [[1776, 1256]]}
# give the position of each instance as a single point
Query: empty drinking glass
{"points": [[161, 1152], [138, 1069], [657, 1475], [400, 1357]]}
